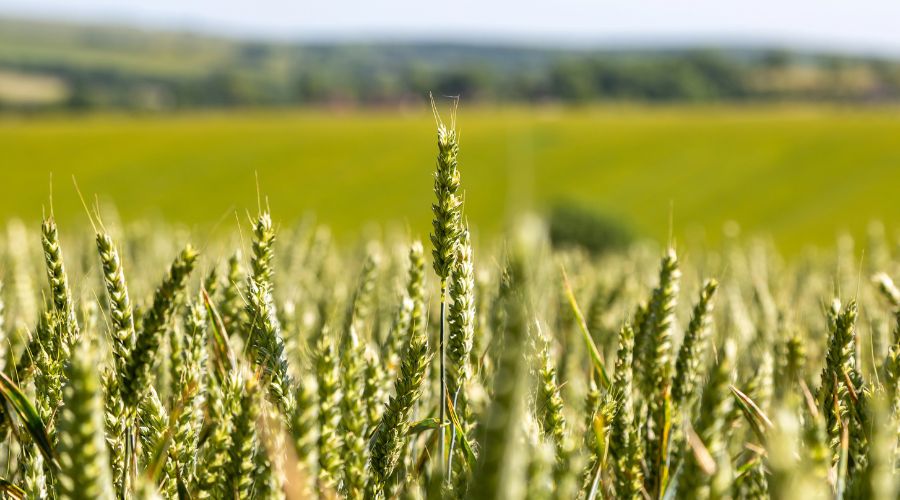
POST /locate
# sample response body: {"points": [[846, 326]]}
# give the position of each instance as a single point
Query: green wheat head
{"points": [[263, 247], [330, 446], [266, 346], [390, 435], [461, 319], [692, 352], [245, 403], [83, 463], [232, 303], [59, 282], [625, 447], [142, 356], [716, 403], [447, 209]]}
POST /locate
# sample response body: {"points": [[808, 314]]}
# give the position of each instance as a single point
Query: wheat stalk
{"points": [[446, 230]]}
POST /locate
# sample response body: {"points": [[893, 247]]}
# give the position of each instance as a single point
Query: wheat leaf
{"points": [[29, 415]]}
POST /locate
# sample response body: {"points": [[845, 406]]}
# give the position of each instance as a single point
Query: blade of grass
{"points": [[665, 435], [161, 451], [460, 434], [423, 425], [701, 453], [225, 360], [29, 415], [588, 340], [843, 458]]}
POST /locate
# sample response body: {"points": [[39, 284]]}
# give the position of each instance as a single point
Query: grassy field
{"points": [[799, 174]]}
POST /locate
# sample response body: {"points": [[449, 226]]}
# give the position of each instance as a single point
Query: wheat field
{"points": [[797, 174], [278, 362]]}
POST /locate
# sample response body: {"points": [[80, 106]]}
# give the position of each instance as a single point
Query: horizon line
{"points": [[462, 37]]}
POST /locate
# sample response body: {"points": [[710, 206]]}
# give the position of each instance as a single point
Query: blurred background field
{"points": [[798, 144], [800, 174]]}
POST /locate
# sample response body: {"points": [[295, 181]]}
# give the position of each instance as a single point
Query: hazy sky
{"points": [[854, 25]]}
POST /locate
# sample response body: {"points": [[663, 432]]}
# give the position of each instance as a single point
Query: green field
{"points": [[800, 174]]}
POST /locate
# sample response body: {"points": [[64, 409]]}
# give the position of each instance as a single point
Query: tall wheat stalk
{"points": [[445, 236]]}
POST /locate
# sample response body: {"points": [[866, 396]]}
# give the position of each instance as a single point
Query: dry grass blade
{"points": [[758, 420], [701, 453], [10, 489], [595, 482]]}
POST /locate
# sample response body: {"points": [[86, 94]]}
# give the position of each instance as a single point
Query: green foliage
{"points": [[574, 225], [632, 161], [99, 67]]}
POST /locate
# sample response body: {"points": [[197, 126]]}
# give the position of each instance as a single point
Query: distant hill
{"points": [[45, 65]]}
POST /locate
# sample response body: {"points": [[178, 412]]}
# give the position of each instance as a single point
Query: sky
{"points": [[844, 25]]}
